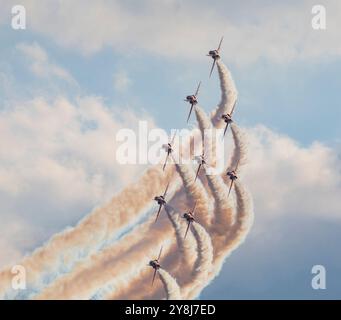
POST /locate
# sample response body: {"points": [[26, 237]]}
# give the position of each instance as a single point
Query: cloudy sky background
{"points": [[83, 70]]}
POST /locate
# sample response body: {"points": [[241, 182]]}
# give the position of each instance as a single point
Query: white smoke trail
{"points": [[131, 201], [225, 238], [229, 94], [240, 150], [231, 239], [171, 286], [73, 244], [187, 248], [226, 243], [224, 246], [198, 194], [220, 191], [204, 122], [203, 264], [239, 231], [113, 264], [230, 245], [239, 156], [196, 191], [140, 287], [118, 251], [205, 250], [223, 214], [144, 234], [208, 134], [122, 289]]}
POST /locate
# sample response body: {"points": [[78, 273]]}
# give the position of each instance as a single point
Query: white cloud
{"points": [[41, 65], [286, 178], [280, 32], [57, 162]]}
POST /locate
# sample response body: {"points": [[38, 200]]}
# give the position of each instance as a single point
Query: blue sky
{"points": [[287, 75]]}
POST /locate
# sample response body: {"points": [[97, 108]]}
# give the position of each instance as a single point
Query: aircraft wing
{"points": [[196, 176], [230, 188], [196, 93], [158, 258], [166, 190], [164, 166], [158, 212], [189, 223], [234, 105], [173, 138], [226, 129], [154, 276], [212, 67], [190, 111], [221, 41]]}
